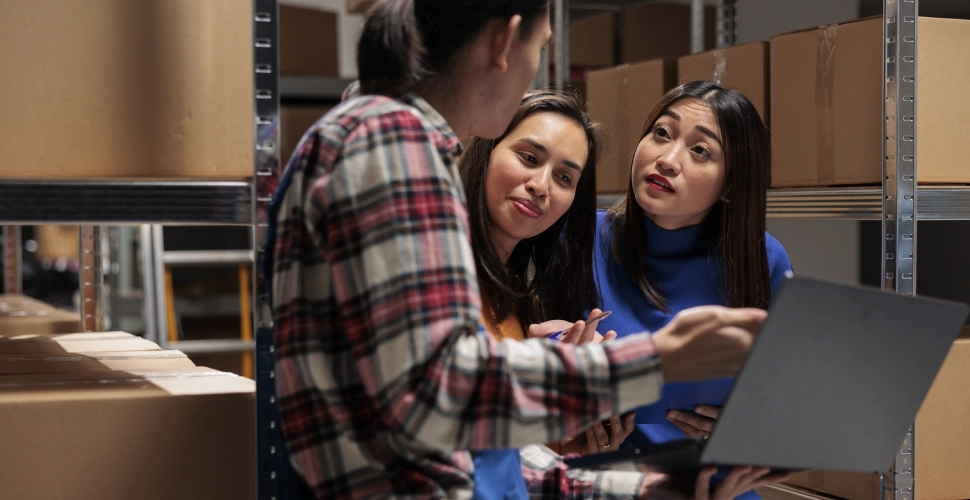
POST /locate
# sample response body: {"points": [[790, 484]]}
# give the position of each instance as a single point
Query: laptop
{"points": [[833, 381]]}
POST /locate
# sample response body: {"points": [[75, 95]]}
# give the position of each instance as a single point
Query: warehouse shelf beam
{"points": [[312, 87], [213, 346], [206, 257], [935, 203], [125, 202]]}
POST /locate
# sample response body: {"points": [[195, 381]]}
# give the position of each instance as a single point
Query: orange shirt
{"points": [[507, 329]]}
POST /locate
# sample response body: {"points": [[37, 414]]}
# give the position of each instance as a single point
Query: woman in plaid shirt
{"points": [[381, 371]]}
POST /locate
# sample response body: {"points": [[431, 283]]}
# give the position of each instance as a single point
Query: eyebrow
{"points": [[704, 130], [543, 149]]}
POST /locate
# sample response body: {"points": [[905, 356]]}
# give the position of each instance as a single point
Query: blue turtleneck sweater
{"points": [[680, 263]]}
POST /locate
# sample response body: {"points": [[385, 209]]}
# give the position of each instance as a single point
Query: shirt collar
{"points": [[414, 100]]}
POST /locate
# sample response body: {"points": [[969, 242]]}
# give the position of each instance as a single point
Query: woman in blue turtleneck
{"points": [[690, 231]]}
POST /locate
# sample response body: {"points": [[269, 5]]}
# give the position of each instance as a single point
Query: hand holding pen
{"points": [[580, 332]]}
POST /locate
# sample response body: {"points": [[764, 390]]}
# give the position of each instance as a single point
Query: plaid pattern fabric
{"points": [[548, 478], [381, 371]]}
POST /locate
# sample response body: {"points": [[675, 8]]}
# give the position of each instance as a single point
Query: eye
{"points": [[566, 179], [701, 150], [529, 158], [661, 131]]}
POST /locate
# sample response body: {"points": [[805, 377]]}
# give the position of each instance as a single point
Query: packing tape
{"points": [[824, 120], [720, 67]]}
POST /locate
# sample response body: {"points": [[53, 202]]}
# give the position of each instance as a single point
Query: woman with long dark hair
{"points": [[380, 371], [531, 206], [691, 229]]}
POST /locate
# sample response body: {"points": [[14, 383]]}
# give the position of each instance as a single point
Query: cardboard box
{"points": [[25, 364], [154, 438], [75, 343], [621, 98], [850, 485], [942, 457], [592, 42], [21, 315], [743, 68], [108, 89], [308, 42], [294, 122], [660, 31], [826, 103]]}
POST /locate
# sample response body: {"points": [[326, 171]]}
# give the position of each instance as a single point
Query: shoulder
{"points": [[373, 116], [776, 252], [603, 230], [778, 263]]}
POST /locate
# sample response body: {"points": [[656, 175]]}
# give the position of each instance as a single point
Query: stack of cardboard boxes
{"points": [[111, 415], [622, 98], [102, 89], [826, 103], [820, 92]]}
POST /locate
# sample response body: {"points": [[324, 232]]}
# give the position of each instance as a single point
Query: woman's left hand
{"points": [[695, 425], [599, 438]]}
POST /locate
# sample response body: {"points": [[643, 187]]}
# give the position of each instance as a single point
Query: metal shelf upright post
{"points": [[270, 466], [899, 191]]}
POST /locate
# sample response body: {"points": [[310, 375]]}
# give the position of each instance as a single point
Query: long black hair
{"points": [[406, 42], [530, 285], [737, 227]]}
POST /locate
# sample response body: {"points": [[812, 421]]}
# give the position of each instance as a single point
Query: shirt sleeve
{"points": [[778, 262], [390, 220], [546, 476]]}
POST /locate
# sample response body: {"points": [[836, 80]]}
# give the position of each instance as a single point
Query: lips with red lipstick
{"points": [[527, 208], [659, 183]]}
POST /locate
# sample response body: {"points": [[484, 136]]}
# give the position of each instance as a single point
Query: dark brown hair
{"points": [[737, 228], [407, 42], [531, 284]]}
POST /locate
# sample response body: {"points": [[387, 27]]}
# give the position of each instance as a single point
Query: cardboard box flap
{"points": [[12, 364], [47, 337], [823, 26], [88, 390], [69, 343], [26, 380]]}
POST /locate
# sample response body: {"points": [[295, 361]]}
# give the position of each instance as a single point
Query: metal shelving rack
{"points": [[898, 203], [93, 204]]}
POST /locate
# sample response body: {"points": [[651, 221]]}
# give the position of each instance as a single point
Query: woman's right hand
{"points": [[580, 332], [707, 342]]}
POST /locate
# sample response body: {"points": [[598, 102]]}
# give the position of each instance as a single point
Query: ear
{"points": [[502, 37]]}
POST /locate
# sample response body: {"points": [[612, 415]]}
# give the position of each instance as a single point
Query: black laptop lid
{"points": [[834, 379]]}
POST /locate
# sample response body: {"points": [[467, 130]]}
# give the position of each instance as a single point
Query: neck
{"points": [[438, 96], [504, 246], [675, 223]]}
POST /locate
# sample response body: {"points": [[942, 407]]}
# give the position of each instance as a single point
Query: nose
{"points": [[669, 163], [538, 183]]}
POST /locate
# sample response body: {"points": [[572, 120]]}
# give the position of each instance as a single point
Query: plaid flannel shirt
{"points": [[381, 371]]}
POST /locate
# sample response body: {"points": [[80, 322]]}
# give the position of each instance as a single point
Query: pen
{"points": [[562, 333]]}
